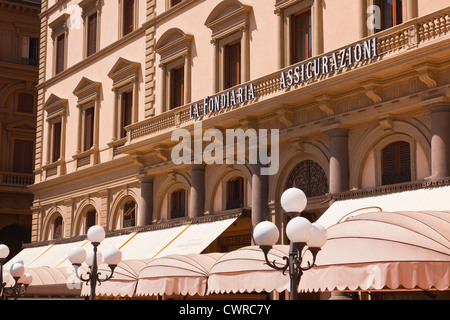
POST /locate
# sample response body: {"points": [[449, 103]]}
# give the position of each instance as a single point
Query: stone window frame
{"points": [[125, 77], [174, 48], [121, 13], [59, 27], [229, 22], [285, 10], [89, 7], [16, 102], [56, 111], [88, 93], [378, 155]]}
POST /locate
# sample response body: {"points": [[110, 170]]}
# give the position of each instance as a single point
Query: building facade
{"points": [[348, 95], [19, 35]]}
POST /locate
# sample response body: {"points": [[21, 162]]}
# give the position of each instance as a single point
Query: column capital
{"points": [[441, 103], [145, 178], [336, 130]]}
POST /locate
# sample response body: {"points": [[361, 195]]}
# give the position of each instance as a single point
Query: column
{"points": [[197, 196], [317, 27], [339, 166], [259, 195], [245, 71], [280, 32], [411, 9], [187, 78], [440, 138], [362, 18], [145, 215]]}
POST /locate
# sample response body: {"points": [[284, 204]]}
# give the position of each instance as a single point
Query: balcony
{"points": [[16, 179], [400, 39]]}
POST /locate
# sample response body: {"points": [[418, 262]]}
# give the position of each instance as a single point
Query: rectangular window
{"points": [[232, 65], [25, 103], [128, 16], [396, 165], [178, 204], [88, 129], [92, 34], [56, 152], [301, 37], [30, 51], [176, 87], [391, 13], [60, 48], [127, 111], [235, 193], [175, 2], [23, 156]]}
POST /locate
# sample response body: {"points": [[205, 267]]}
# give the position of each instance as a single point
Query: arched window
{"points": [[178, 204], [129, 214], [91, 218], [309, 176], [57, 228], [396, 163], [235, 193]]}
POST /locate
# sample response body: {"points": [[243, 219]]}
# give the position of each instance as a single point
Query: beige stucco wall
{"points": [[303, 136]]}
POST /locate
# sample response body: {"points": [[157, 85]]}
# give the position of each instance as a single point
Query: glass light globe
{"points": [[299, 229], [17, 260], [4, 251], [77, 255], [266, 233], [6, 278], [26, 278], [17, 270], [318, 236], [96, 234], [113, 256], [90, 258], [293, 200]]}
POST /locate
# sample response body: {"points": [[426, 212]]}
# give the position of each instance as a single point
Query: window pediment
{"points": [[86, 89], [227, 17], [172, 44], [54, 104], [24, 125], [124, 70]]}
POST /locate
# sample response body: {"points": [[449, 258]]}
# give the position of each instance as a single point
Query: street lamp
{"points": [[301, 233], [77, 255], [21, 279]]}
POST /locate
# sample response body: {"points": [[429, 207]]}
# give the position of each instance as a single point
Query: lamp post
{"points": [[302, 234], [21, 279], [77, 255]]}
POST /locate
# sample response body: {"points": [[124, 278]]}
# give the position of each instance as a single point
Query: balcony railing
{"points": [[16, 179], [406, 36]]}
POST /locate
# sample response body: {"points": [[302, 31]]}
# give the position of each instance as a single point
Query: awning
{"points": [[176, 274], [431, 198], [377, 250], [245, 270], [186, 237], [124, 280]]}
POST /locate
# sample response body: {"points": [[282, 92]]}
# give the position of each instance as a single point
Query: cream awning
{"points": [[123, 283], [176, 274], [245, 270], [376, 250], [431, 198], [138, 247]]}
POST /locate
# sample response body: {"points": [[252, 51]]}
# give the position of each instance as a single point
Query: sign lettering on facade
{"points": [[314, 68], [329, 63]]}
